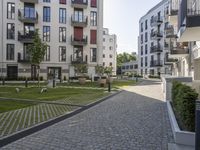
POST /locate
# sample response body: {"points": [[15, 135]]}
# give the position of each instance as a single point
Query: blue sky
{"points": [[122, 17]]}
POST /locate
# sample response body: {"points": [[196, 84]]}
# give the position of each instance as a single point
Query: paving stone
{"points": [[134, 119]]}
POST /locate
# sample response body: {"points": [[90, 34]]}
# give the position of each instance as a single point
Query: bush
{"points": [[154, 77], [183, 100]]}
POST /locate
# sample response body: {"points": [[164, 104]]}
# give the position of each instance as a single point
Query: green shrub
{"points": [[183, 99]]}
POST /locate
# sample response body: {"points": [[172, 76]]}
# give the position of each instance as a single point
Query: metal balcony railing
{"points": [[156, 49], [79, 40], [28, 15], [156, 63], [79, 21], [79, 60], [26, 37]]}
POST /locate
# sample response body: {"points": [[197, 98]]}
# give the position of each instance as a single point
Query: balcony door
{"points": [[29, 10], [26, 52], [29, 28], [78, 15], [78, 54], [78, 34]]}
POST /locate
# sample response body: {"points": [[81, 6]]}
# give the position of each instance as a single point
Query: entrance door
{"points": [[54, 73], [12, 72]]}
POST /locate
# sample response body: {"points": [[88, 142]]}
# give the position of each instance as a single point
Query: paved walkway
{"points": [[136, 119]]}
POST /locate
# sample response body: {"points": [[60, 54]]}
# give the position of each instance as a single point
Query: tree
{"points": [[108, 70], [81, 69], [124, 57], [37, 51], [99, 70]]}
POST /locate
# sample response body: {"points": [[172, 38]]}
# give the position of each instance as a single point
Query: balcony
{"points": [[22, 60], [170, 32], [79, 3], [30, 16], [155, 35], [79, 60], [177, 52], [156, 63], [77, 41], [79, 22], [188, 21], [26, 37], [173, 11], [29, 1], [157, 20], [156, 49], [169, 61]]}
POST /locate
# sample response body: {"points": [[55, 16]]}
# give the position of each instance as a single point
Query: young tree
{"points": [[99, 70], [37, 51]]}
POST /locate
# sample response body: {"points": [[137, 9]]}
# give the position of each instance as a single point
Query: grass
{"points": [[8, 105], [69, 95]]}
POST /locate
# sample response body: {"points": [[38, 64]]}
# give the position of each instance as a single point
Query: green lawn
{"points": [[7, 105], [67, 95]]}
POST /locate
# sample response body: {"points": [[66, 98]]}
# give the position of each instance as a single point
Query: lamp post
{"points": [[197, 126], [26, 81]]}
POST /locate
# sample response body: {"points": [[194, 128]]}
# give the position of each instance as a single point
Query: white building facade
{"points": [[152, 46], [72, 29], [110, 50]]}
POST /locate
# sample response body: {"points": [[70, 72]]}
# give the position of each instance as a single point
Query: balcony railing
{"points": [[156, 35], [79, 60], [179, 51], [170, 32], [169, 61], [29, 16], [79, 21], [156, 49], [156, 63], [23, 60], [29, 1], [174, 7], [79, 41], [157, 20], [26, 37], [79, 3]]}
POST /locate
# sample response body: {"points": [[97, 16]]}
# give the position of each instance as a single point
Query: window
{"points": [[141, 39], [104, 39], [104, 64], [10, 10], [141, 62], [141, 50], [62, 53], [146, 59], [104, 55], [111, 48], [10, 31], [93, 36], [93, 3], [10, 52], [146, 24], [141, 27], [146, 37], [111, 64], [63, 1], [62, 34], [93, 54], [111, 40], [93, 18], [78, 16], [146, 49], [46, 33], [110, 56], [62, 15], [46, 14], [47, 54], [47, 1]]}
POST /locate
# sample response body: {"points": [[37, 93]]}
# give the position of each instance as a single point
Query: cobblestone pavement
{"points": [[128, 121]]}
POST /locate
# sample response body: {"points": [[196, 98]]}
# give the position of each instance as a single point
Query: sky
{"points": [[122, 18]]}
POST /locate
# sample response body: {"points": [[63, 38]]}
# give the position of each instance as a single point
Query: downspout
{"points": [[2, 43]]}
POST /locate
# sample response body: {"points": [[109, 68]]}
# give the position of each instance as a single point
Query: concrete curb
{"points": [[16, 136]]}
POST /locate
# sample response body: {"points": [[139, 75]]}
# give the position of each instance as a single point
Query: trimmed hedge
{"points": [[183, 100]]}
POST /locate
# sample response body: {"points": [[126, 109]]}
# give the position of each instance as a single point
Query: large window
{"points": [[62, 53], [62, 34], [93, 54], [10, 52], [10, 31], [46, 14], [46, 33], [93, 36], [47, 1], [93, 3], [62, 15], [63, 1], [78, 15], [10, 10], [93, 18], [47, 54]]}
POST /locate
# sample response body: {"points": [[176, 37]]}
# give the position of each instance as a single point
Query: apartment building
{"points": [[183, 19], [152, 46], [72, 29], [110, 50], [130, 67]]}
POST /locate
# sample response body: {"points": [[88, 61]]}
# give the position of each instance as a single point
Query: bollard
{"points": [[197, 126], [54, 83], [109, 87], [26, 83], [3, 82]]}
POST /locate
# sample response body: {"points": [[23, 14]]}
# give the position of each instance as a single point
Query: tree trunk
{"points": [[38, 75]]}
